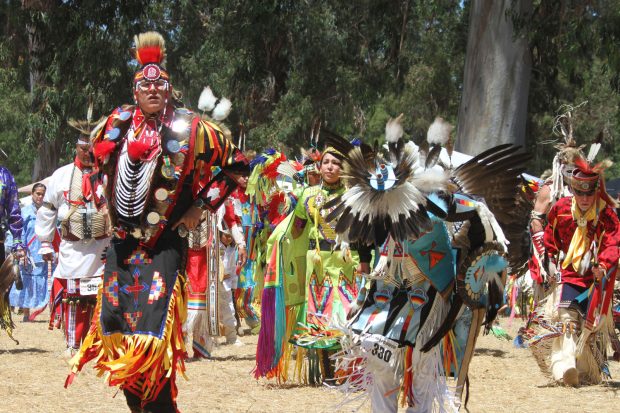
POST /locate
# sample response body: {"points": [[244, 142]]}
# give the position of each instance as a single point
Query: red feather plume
{"points": [[136, 150], [297, 165], [583, 166], [103, 149], [315, 155], [149, 54]]}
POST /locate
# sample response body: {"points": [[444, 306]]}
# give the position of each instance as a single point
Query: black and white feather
{"points": [[437, 136], [495, 175], [219, 107], [368, 212]]}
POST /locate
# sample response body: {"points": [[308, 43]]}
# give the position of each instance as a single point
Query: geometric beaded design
{"points": [[158, 288]]}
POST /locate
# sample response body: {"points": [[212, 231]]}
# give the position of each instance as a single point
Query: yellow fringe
{"points": [[121, 357], [6, 322], [301, 368]]}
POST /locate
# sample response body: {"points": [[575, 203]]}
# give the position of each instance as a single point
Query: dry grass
{"points": [[503, 379]]}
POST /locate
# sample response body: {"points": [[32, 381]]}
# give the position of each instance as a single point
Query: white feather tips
{"points": [[394, 129], [439, 132], [286, 169], [594, 148], [430, 180], [207, 100], [411, 147], [222, 110]]}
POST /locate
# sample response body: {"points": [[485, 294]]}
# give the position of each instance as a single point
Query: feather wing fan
{"points": [[387, 194], [495, 176]]}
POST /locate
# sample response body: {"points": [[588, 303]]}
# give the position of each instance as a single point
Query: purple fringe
{"points": [[265, 349]]}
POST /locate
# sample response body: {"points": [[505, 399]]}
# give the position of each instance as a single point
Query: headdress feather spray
{"points": [[150, 48]]}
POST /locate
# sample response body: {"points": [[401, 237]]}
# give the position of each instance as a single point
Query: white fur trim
{"points": [[439, 132], [207, 100], [222, 110]]}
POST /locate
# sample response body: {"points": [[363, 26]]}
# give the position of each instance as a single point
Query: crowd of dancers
{"points": [[367, 268]]}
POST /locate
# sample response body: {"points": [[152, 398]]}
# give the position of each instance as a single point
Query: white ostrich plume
{"points": [[222, 109], [207, 100], [439, 132], [394, 129]]}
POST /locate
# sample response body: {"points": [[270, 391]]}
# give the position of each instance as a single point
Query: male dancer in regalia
{"points": [[439, 269], [85, 234], [584, 228], [155, 161]]}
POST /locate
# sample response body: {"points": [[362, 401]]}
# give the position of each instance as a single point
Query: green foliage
{"points": [[350, 65], [575, 59], [14, 118], [286, 64]]}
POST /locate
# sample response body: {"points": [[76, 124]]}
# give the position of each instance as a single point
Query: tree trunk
{"points": [[496, 80], [48, 148], [47, 160]]}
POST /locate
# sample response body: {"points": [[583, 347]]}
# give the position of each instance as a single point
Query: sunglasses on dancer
{"points": [[145, 86]]}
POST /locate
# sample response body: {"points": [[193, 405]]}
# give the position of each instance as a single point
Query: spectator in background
{"points": [[34, 271]]}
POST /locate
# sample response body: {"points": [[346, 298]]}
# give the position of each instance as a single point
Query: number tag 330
{"points": [[381, 352]]}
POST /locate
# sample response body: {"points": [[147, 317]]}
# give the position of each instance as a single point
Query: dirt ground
{"points": [[502, 378]]}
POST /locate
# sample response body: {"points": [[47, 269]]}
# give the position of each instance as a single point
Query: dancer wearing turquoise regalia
{"points": [[439, 274]]}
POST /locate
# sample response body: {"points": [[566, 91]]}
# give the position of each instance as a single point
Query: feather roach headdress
{"points": [[150, 52], [568, 151], [87, 129], [588, 179], [387, 193]]}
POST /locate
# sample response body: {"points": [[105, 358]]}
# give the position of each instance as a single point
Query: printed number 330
{"points": [[381, 353]]}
